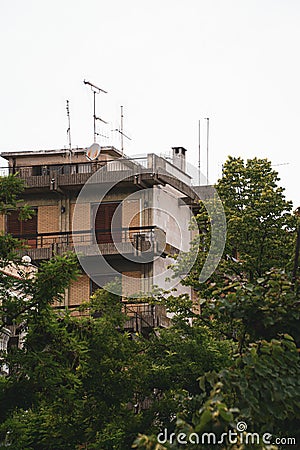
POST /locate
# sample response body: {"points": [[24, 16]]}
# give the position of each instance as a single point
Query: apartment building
{"points": [[134, 219]]}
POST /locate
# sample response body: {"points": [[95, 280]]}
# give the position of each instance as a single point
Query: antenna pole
{"points": [[207, 150], [199, 156], [95, 90], [122, 137], [120, 131], [69, 128]]}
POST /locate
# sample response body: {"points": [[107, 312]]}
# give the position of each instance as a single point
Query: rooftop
{"points": [[107, 150]]}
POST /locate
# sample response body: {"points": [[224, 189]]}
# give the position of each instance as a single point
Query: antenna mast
{"points": [[122, 137], [199, 149], [69, 127], [95, 90], [207, 149], [120, 131]]}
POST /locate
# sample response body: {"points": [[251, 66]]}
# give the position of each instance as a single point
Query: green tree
{"points": [[261, 384], [11, 187], [260, 225], [258, 216], [86, 381], [250, 303]]}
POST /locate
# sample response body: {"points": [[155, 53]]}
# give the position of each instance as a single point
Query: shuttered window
{"points": [[102, 220], [18, 227]]}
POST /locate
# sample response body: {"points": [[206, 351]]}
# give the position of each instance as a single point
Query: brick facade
{"points": [[2, 223], [54, 180], [48, 218], [79, 291]]}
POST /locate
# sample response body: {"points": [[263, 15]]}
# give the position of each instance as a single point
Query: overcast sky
{"points": [[169, 63]]}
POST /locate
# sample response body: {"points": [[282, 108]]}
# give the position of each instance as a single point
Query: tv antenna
{"points": [[281, 164], [199, 153], [207, 149], [102, 135], [120, 131], [69, 125], [95, 90], [69, 129]]}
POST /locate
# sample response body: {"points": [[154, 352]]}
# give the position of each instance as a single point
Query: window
{"points": [[102, 219], [19, 228]]}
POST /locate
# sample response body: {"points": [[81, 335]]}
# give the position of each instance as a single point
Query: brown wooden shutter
{"points": [[13, 225], [103, 219], [30, 226], [18, 227]]}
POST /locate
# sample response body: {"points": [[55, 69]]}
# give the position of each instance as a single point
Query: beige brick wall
{"points": [[63, 158], [60, 304], [83, 216], [42, 160], [2, 222], [79, 291], [131, 216], [131, 285], [48, 219]]}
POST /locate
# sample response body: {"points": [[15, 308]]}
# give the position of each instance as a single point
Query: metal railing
{"points": [[144, 315], [142, 309], [139, 237], [150, 163]]}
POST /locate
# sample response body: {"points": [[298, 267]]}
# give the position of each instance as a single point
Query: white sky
{"points": [[169, 63]]}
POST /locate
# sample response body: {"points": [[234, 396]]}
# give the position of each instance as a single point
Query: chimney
{"points": [[179, 157]]}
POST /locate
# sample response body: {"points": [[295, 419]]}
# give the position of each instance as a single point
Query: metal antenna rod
{"points": [[103, 135], [122, 137], [95, 90], [199, 149], [207, 150], [94, 115], [120, 131], [69, 128]]}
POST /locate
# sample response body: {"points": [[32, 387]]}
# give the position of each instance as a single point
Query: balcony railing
{"points": [[70, 173], [145, 315], [110, 241]]}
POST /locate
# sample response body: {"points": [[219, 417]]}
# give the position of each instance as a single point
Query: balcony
{"points": [[133, 240], [143, 316], [145, 171]]}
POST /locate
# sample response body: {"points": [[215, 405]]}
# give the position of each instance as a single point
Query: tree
{"points": [[251, 304], [260, 225], [259, 217], [260, 387], [10, 189], [85, 381]]}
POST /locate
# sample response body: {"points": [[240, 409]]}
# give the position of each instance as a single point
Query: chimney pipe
{"points": [[179, 158]]}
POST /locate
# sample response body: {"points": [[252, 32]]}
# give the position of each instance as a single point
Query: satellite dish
{"points": [[93, 151]]}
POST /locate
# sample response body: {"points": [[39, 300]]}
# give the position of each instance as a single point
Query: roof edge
{"points": [[7, 155]]}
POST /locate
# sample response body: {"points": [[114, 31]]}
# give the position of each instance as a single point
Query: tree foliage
{"points": [[260, 225], [251, 303], [83, 381]]}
